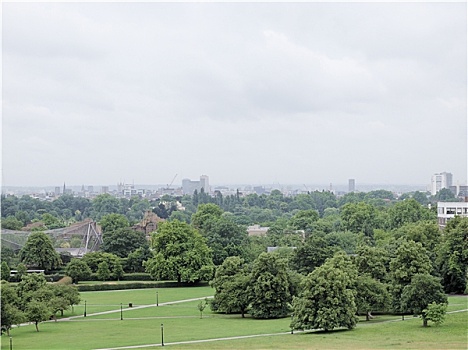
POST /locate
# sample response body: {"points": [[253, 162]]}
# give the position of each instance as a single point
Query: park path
{"points": [[240, 337], [135, 308]]}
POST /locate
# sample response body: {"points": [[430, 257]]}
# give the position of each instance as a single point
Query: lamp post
{"points": [[292, 327], [157, 298], [121, 314], [85, 308], [11, 343], [162, 334]]}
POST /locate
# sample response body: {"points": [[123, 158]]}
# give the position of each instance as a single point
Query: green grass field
{"points": [[141, 326]]}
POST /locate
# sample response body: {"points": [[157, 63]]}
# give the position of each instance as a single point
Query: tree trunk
{"points": [[37, 328], [367, 317], [61, 313], [424, 321]]}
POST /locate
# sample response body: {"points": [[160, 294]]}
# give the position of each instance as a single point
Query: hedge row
{"points": [[119, 286]]}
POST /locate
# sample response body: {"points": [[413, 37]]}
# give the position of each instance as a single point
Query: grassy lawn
{"points": [[182, 323], [110, 300]]}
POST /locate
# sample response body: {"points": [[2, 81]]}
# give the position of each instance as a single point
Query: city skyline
{"points": [[249, 93]]}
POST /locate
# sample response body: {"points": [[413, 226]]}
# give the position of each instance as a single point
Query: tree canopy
{"points": [[180, 253]]}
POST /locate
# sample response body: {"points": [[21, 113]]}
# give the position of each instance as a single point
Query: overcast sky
{"points": [[97, 93]]}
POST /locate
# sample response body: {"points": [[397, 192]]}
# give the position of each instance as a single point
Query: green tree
{"points": [[39, 251], [410, 259], [452, 256], [371, 295], [435, 313], [445, 195], [37, 312], [69, 293], [123, 241], [225, 238], [12, 223], [373, 261], [78, 270], [180, 253], [269, 287], [51, 222], [135, 259], [103, 205], [359, 217], [230, 283], [423, 290], [5, 271], [311, 254], [201, 306], [10, 313], [103, 271], [327, 299], [206, 213], [21, 270], [304, 220], [113, 222], [113, 261], [408, 211], [30, 284]]}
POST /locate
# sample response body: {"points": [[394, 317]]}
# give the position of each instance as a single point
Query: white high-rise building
{"points": [[440, 181]]}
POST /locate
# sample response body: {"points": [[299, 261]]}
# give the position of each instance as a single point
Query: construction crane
{"points": [[173, 179]]}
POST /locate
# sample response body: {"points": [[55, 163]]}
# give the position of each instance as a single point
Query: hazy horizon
{"points": [[243, 92]]}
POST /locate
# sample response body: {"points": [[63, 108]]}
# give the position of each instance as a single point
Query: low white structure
{"points": [[257, 230], [448, 210]]}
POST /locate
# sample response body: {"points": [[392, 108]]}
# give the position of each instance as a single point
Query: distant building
{"points": [[448, 210], [440, 181], [105, 189], [57, 190], [351, 185], [459, 190], [189, 186], [257, 230]]}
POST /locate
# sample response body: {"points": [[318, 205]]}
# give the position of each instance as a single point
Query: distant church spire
{"points": [[64, 187]]}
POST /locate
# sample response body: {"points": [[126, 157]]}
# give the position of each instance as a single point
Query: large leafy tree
{"points": [[123, 241], [423, 290], [105, 204], [371, 295], [225, 238], [10, 311], [78, 270], [39, 251], [407, 211], [359, 217], [304, 220], [113, 261], [410, 259], [269, 287], [37, 311], [311, 254], [180, 253], [113, 222], [372, 261], [230, 284], [327, 300], [452, 259], [206, 213]]}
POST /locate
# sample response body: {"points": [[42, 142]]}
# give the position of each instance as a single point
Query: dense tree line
{"points": [[364, 252]]}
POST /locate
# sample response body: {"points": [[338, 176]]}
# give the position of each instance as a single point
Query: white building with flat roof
{"points": [[448, 210]]}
